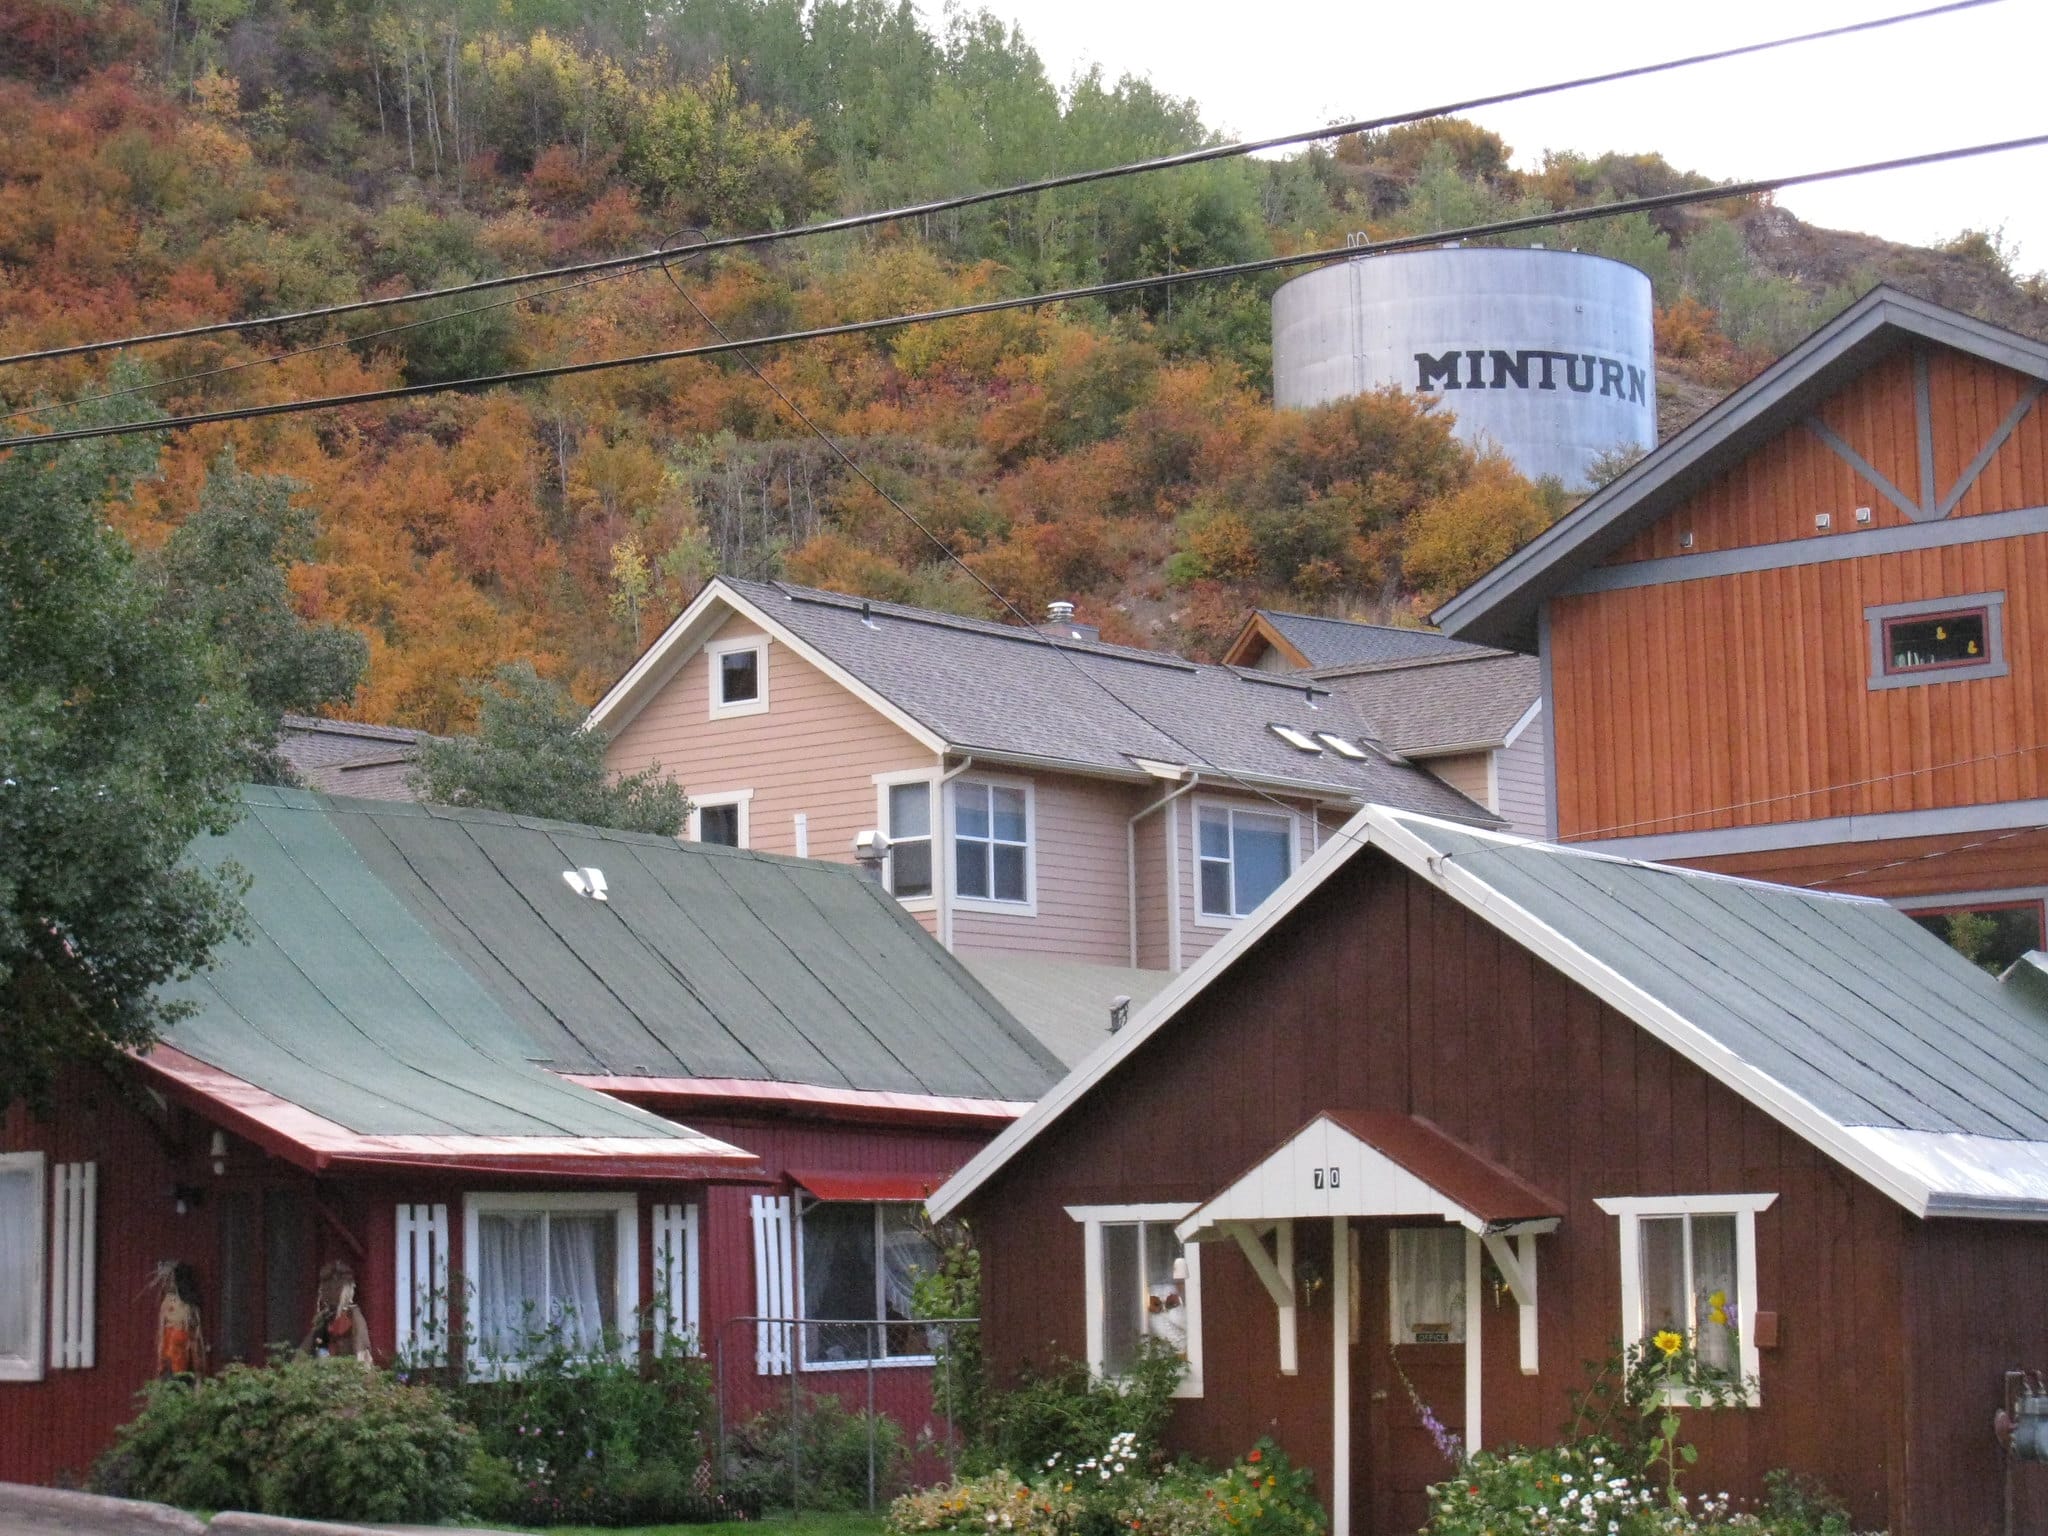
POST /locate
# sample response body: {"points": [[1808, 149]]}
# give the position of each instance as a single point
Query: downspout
{"points": [[1172, 879], [942, 851]]}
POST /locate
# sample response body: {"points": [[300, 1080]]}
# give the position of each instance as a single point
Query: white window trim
{"points": [[718, 649], [1631, 1209], [1217, 920], [804, 1205], [626, 1246], [1028, 907], [29, 1366], [930, 776], [743, 798], [1093, 1219]]}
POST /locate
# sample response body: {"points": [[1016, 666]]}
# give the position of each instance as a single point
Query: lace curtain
{"points": [[1428, 1265], [541, 1273], [18, 1267]]}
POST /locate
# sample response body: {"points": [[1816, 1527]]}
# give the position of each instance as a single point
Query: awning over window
{"points": [[1375, 1163], [869, 1186]]}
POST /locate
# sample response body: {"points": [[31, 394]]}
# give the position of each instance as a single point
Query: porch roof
{"points": [[1369, 1163]]}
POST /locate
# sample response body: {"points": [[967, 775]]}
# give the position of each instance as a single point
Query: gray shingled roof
{"points": [[1065, 1003], [1443, 704], [337, 1000], [1003, 690], [1330, 642], [705, 962], [1843, 999]]}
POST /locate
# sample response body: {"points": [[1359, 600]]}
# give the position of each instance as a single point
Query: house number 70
{"points": [[1333, 1177]]}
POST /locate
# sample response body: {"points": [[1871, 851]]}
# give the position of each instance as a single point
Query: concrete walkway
{"points": [[29, 1511]]}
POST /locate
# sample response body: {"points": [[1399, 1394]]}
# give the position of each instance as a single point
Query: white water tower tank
{"points": [[1550, 355]]}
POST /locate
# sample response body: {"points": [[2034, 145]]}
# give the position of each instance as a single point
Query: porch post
{"points": [[1340, 1376], [1473, 1317]]}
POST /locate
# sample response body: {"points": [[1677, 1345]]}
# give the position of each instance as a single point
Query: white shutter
{"points": [[675, 1274], [773, 1285], [73, 1254], [422, 1290]]}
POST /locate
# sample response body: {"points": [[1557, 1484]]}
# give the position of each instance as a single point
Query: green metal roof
{"points": [[339, 1002], [703, 962]]}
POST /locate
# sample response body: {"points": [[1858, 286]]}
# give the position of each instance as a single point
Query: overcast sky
{"points": [[1267, 67]]}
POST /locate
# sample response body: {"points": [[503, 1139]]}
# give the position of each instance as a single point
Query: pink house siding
{"points": [[814, 751], [1151, 880], [1083, 888]]}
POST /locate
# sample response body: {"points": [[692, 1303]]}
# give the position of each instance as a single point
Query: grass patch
{"points": [[775, 1523]]}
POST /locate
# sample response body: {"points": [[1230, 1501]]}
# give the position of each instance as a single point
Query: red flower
{"points": [[1256, 1455]]}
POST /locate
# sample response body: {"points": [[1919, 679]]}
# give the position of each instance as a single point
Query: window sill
{"points": [[734, 711], [996, 908], [1215, 920], [918, 903]]}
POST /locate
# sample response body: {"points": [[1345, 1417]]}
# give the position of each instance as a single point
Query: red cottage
{"points": [[446, 1054], [1458, 1110]]}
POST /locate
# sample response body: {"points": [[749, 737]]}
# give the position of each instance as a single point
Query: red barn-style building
{"points": [[1464, 1109], [453, 1051]]}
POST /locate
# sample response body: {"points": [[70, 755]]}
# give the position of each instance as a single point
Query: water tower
{"points": [[1550, 355]]}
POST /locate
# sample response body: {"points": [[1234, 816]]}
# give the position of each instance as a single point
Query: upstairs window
{"points": [[908, 826], [992, 842], [1938, 641], [1944, 640], [721, 818], [1243, 856], [739, 676]]}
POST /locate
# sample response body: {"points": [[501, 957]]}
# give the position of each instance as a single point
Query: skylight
{"points": [[1342, 747], [1299, 740]]}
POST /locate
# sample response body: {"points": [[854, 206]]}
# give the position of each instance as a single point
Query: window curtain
{"points": [[906, 1254], [20, 1274], [511, 1265], [839, 1278], [580, 1270], [1428, 1265], [1713, 1290]]}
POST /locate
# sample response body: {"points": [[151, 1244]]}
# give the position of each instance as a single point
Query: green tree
{"points": [[531, 756], [123, 730], [224, 571]]}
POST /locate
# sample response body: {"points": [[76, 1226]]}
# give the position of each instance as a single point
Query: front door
{"points": [[1410, 1363]]}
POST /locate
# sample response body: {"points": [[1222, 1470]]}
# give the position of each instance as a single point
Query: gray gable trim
{"points": [[1766, 837], [1818, 550], [1500, 607], [1918, 512]]}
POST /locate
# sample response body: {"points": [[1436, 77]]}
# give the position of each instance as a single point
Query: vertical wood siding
{"points": [[815, 749], [1772, 496], [1742, 700], [1898, 868], [1383, 994], [1080, 851]]}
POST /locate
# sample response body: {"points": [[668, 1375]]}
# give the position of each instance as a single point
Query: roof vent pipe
{"points": [[1059, 613]]}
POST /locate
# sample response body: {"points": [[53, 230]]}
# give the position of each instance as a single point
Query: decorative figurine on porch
{"points": [[338, 1326], [1166, 1313], [180, 1340]]}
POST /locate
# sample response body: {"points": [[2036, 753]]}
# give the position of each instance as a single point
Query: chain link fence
{"points": [[903, 1381]]}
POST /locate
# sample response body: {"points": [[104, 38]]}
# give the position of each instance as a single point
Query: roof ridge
{"points": [[1404, 663]]}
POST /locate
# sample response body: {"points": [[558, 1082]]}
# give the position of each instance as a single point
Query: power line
{"points": [[1036, 300], [613, 264], [1195, 761], [1935, 853]]}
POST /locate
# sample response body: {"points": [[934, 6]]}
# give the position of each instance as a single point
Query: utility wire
{"points": [[1922, 858], [612, 264], [153, 385], [1036, 300], [1195, 762]]}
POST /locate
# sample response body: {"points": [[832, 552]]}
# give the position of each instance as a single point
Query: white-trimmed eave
{"points": [[1663, 1022], [1867, 1155], [660, 662]]}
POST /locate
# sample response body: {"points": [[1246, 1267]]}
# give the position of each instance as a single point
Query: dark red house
{"points": [[453, 1051], [1468, 1109]]}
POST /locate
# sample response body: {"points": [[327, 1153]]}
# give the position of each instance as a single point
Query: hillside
{"points": [[170, 165]]}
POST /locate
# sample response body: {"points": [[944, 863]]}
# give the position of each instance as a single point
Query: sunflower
{"points": [[1668, 1341]]}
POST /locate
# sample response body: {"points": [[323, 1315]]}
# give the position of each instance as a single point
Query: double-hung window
{"points": [[551, 1271], [739, 676], [992, 842], [1242, 857], [1143, 1287], [22, 1266], [1688, 1281], [860, 1260], [907, 823]]}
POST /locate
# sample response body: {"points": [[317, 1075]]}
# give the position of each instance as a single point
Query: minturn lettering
{"points": [[1583, 373]]}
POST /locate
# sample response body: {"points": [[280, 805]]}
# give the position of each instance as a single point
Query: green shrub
{"points": [[832, 1457], [316, 1439], [1068, 1412], [1266, 1495]]}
